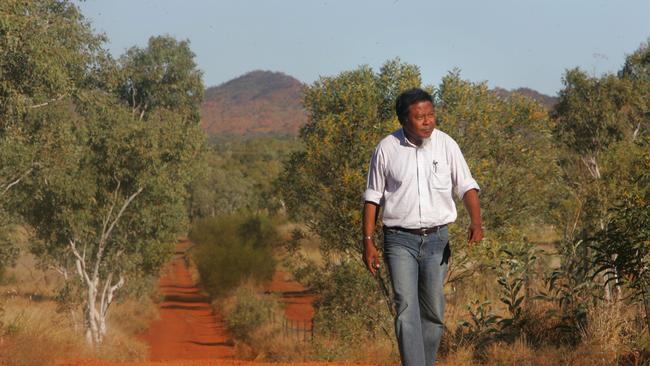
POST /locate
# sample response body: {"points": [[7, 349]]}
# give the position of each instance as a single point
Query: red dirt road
{"points": [[187, 328], [298, 302], [189, 334]]}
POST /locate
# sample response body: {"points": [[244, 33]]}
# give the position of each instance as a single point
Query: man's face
{"points": [[421, 120]]}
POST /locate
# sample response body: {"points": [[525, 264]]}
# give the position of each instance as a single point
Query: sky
{"points": [[506, 43]]}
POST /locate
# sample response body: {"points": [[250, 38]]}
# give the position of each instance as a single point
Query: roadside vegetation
{"points": [[97, 155], [561, 276], [103, 166]]}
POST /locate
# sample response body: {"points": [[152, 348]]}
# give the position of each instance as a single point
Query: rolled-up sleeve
{"points": [[376, 178], [461, 176]]}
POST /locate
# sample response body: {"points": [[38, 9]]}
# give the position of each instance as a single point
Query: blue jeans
{"points": [[418, 266]]}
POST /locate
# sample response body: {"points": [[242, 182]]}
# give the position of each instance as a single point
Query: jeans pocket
{"points": [[446, 254]]}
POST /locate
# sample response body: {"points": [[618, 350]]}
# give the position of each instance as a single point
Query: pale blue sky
{"points": [[508, 43]]}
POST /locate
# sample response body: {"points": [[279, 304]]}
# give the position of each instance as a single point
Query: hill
{"points": [[269, 103], [256, 103], [547, 101]]}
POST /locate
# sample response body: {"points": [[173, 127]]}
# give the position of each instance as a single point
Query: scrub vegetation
{"points": [[561, 276], [103, 166], [97, 155]]}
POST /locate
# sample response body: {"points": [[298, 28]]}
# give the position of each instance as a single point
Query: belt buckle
{"points": [[423, 232]]}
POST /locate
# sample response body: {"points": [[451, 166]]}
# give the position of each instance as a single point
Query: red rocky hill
{"points": [[259, 102], [269, 103], [545, 100]]}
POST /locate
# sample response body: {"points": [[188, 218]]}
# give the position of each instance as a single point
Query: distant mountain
{"points": [[269, 103], [256, 103], [547, 101]]}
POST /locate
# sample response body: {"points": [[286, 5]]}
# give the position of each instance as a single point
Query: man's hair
{"points": [[408, 98]]}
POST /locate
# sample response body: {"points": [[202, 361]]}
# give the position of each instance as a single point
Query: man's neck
{"points": [[415, 140]]}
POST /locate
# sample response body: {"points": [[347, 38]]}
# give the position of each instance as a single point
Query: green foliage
{"points": [[348, 114], [507, 144], [622, 248], [599, 124], [637, 64], [249, 313], [8, 250], [588, 112], [237, 175], [162, 75], [233, 249], [482, 328], [47, 52], [346, 307], [572, 290], [102, 183]]}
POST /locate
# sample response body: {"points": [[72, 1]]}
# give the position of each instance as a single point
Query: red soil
{"points": [[298, 302], [187, 328], [189, 334]]}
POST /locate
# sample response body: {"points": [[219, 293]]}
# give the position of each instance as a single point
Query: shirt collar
{"points": [[405, 142]]}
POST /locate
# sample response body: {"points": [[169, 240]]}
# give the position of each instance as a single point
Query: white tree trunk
{"points": [[90, 274]]}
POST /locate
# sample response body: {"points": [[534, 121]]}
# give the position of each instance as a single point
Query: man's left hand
{"points": [[475, 233]]}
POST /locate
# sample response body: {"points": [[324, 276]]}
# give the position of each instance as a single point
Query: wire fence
{"points": [[298, 330]]}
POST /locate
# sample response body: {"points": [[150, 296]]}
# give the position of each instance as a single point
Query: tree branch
{"points": [[102, 306], [80, 263], [54, 100], [9, 185], [106, 234], [61, 270]]}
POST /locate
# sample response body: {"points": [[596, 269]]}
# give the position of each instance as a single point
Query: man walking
{"points": [[412, 174]]}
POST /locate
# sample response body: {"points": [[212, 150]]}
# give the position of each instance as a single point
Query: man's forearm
{"points": [[473, 206], [370, 211]]}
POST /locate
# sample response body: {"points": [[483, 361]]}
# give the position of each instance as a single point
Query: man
{"points": [[412, 174]]}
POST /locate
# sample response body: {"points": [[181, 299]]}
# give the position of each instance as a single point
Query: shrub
{"points": [[232, 250], [248, 312]]}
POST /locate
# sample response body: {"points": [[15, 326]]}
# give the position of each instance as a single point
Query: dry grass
{"points": [[461, 357], [309, 246], [518, 353], [34, 333], [608, 335]]}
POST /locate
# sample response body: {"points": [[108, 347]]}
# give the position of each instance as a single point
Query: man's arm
{"points": [[370, 253], [470, 199]]}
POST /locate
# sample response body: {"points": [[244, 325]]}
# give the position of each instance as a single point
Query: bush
{"points": [[232, 250], [248, 312]]}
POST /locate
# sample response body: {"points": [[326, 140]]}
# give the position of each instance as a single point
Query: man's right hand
{"points": [[371, 256]]}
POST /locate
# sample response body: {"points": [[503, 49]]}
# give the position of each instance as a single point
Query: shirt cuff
{"points": [[372, 196], [461, 190]]}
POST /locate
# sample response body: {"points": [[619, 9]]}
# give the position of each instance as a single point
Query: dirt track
{"points": [[188, 333], [187, 328]]}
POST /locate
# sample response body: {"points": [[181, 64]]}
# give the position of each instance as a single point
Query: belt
{"points": [[421, 231]]}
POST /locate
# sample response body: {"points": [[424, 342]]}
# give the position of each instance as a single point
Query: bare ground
{"points": [[189, 333]]}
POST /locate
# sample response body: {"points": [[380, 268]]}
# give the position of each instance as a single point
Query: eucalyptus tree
{"points": [[48, 56], [600, 127], [507, 142], [103, 186]]}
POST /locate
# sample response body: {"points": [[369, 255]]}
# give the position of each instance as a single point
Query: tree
{"points": [[506, 142], [637, 64], [623, 246], [162, 75], [110, 199], [48, 55], [598, 124]]}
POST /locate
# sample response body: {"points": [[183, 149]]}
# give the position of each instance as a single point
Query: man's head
{"points": [[416, 114]]}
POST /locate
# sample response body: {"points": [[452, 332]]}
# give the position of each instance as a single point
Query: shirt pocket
{"points": [[440, 178]]}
